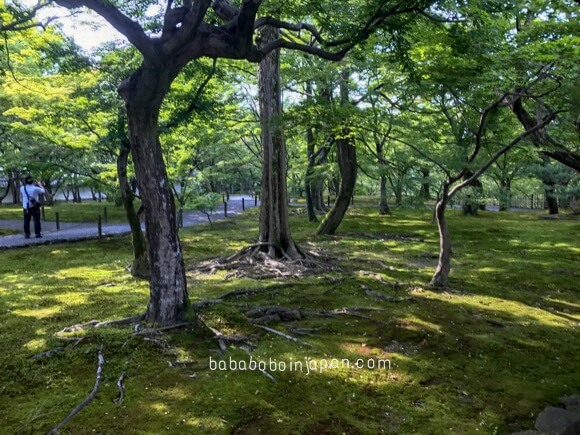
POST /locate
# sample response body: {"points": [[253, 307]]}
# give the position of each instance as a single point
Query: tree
{"points": [[187, 33], [347, 165], [275, 237]]}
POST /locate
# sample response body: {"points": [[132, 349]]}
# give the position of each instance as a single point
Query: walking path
{"points": [[75, 232]]}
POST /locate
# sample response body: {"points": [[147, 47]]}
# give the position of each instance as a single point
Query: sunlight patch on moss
{"points": [[36, 344]]}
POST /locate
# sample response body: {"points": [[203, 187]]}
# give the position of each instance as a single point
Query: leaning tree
{"points": [[190, 31]]}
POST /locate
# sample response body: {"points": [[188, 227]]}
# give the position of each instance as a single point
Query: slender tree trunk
{"points": [[470, 206], [143, 93], [425, 187], [6, 191], [551, 200], [441, 274], [140, 266], [549, 186], [347, 166], [348, 172], [274, 226], [15, 186], [309, 182], [505, 202], [383, 205]]}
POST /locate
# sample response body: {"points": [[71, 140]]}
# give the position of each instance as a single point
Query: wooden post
{"points": [[43, 215], [243, 204], [105, 215], [225, 209], [100, 227], [57, 217]]}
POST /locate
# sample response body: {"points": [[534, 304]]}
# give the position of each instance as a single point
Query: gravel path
{"points": [[76, 232]]}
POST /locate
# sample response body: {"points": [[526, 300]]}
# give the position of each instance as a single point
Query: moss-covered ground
{"points": [[485, 356]]}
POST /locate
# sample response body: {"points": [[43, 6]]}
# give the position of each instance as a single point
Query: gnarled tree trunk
{"points": [[274, 226], [441, 274], [143, 92], [347, 165], [348, 171]]}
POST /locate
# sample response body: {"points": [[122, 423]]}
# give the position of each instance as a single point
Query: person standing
{"points": [[30, 193]]}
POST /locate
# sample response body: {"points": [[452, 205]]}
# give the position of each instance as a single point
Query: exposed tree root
{"points": [[48, 353], [281, 334], [121, 389], [237, 340], [88, 399], [99, 324], [353, 312], [252, 262], [152, 331], [242, 292]]}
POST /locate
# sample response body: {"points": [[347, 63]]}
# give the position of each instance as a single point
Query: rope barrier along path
{"points": [[88, 399]]}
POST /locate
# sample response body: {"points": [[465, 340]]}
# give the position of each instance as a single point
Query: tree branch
{"points": [[502, 151], [129, 28]]}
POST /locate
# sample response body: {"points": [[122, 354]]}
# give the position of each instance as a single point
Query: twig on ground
{"points": [[281, 334], [264, 372], [88, 399]]}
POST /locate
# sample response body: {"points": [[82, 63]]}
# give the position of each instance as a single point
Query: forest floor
{"points": [[485, 356]]}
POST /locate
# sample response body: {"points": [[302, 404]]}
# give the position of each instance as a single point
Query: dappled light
{"points": [[318, 218]]}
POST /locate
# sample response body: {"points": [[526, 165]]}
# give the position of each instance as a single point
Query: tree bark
{"points": [[425, 187], [469, 206], [347, 166], [505, 202], [140, 266], [383, 205], [274, 226], [309, 182], [439, 279], [144, 93], [549, 186], [348, 171], [6, 191]]}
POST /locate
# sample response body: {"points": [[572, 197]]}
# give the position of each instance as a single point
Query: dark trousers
{"points": [[33, 213]]}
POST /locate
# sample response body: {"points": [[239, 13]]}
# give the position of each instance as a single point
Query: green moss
{"points": [[483, 357]]}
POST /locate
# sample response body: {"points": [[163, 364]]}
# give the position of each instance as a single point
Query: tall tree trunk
{"points": [[348, 170], [308, 180], [140, 266], [441, 274], [274, 226], [425, 187], [143, 93], [470, 206], [347, 165], [505, 202], [15, 186], [383, 205], [7, 190], [549, 186]]}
